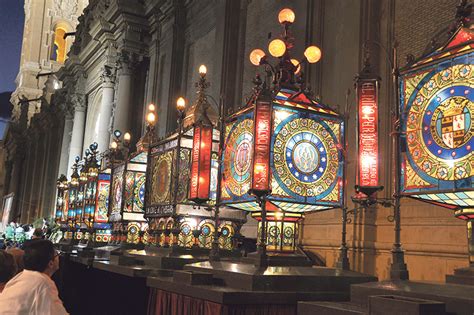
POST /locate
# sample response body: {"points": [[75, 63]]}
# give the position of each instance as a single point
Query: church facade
{"points": [[88, 69]]}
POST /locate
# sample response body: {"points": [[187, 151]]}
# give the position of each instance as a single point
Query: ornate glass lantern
{"points": [[126, 205], [72, 199], [80, 225], [182, 173], [96, 194], [282, 150], [102, 229], [61, 201], [436, 105]]}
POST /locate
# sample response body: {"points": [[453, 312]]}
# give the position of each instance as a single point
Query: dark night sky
{"points": [[11, 34]]}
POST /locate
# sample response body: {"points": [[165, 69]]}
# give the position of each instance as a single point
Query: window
{"points": [[58, 52]]}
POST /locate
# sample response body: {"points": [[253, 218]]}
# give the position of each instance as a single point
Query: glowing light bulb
{"points": [[256, 56], [181, 104], [151, 107], [127, 136], [150, 118], [202, 70], [113, 145], [286, 16], [312, 54], [277, 48]]}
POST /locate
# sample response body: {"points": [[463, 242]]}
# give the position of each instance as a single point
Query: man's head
{"points": [[41, 256], [8, 266]]}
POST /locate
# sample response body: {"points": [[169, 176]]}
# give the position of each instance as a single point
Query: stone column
{"points": [[124, 93], [77, 136], [105, 112], [66, 141]]}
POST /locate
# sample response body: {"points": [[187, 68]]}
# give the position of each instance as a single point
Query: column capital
{"points": [[78, 102], [126, 62], [108, 75]]}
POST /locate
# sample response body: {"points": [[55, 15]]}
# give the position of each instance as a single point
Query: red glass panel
{"points": [[201, 164], [368, 133], [261, 160]]}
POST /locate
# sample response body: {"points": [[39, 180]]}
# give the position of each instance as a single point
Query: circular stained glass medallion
{"points": [[439, 124], [305, 157], [238, 157]]}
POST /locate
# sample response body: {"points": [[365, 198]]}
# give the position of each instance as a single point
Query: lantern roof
{"points": [[302, 100], [201, 111]]}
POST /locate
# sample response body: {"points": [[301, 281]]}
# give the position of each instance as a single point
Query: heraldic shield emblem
{"points": [[453, 121]]}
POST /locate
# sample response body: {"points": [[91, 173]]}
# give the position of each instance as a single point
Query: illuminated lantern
{"points": [[367, 88], [72, 200], [437, 138], [182, 173], [62, 187], [283, 150], [127, 196]]}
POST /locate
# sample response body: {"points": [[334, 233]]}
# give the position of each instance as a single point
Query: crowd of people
{"points": [[26, 286]]}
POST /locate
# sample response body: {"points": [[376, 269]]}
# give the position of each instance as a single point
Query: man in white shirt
{"points": [[32, 291]]}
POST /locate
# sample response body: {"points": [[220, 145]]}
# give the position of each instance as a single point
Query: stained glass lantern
{"points": [[96, 194], [126, 205], [72, 199], [436, 105], [182, 181], [305, 159], [80, 225], [102, 229], [283, 149], [62, 187]]}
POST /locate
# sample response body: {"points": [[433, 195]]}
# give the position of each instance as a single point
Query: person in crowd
{"points": [[37, 234], [8, 268], [32, 291], [17, 254]]}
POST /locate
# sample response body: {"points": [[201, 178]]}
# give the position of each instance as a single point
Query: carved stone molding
{"points": [[65, 8]]}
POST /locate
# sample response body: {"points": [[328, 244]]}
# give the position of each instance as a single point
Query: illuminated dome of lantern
{"points": [[437, 102]]}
